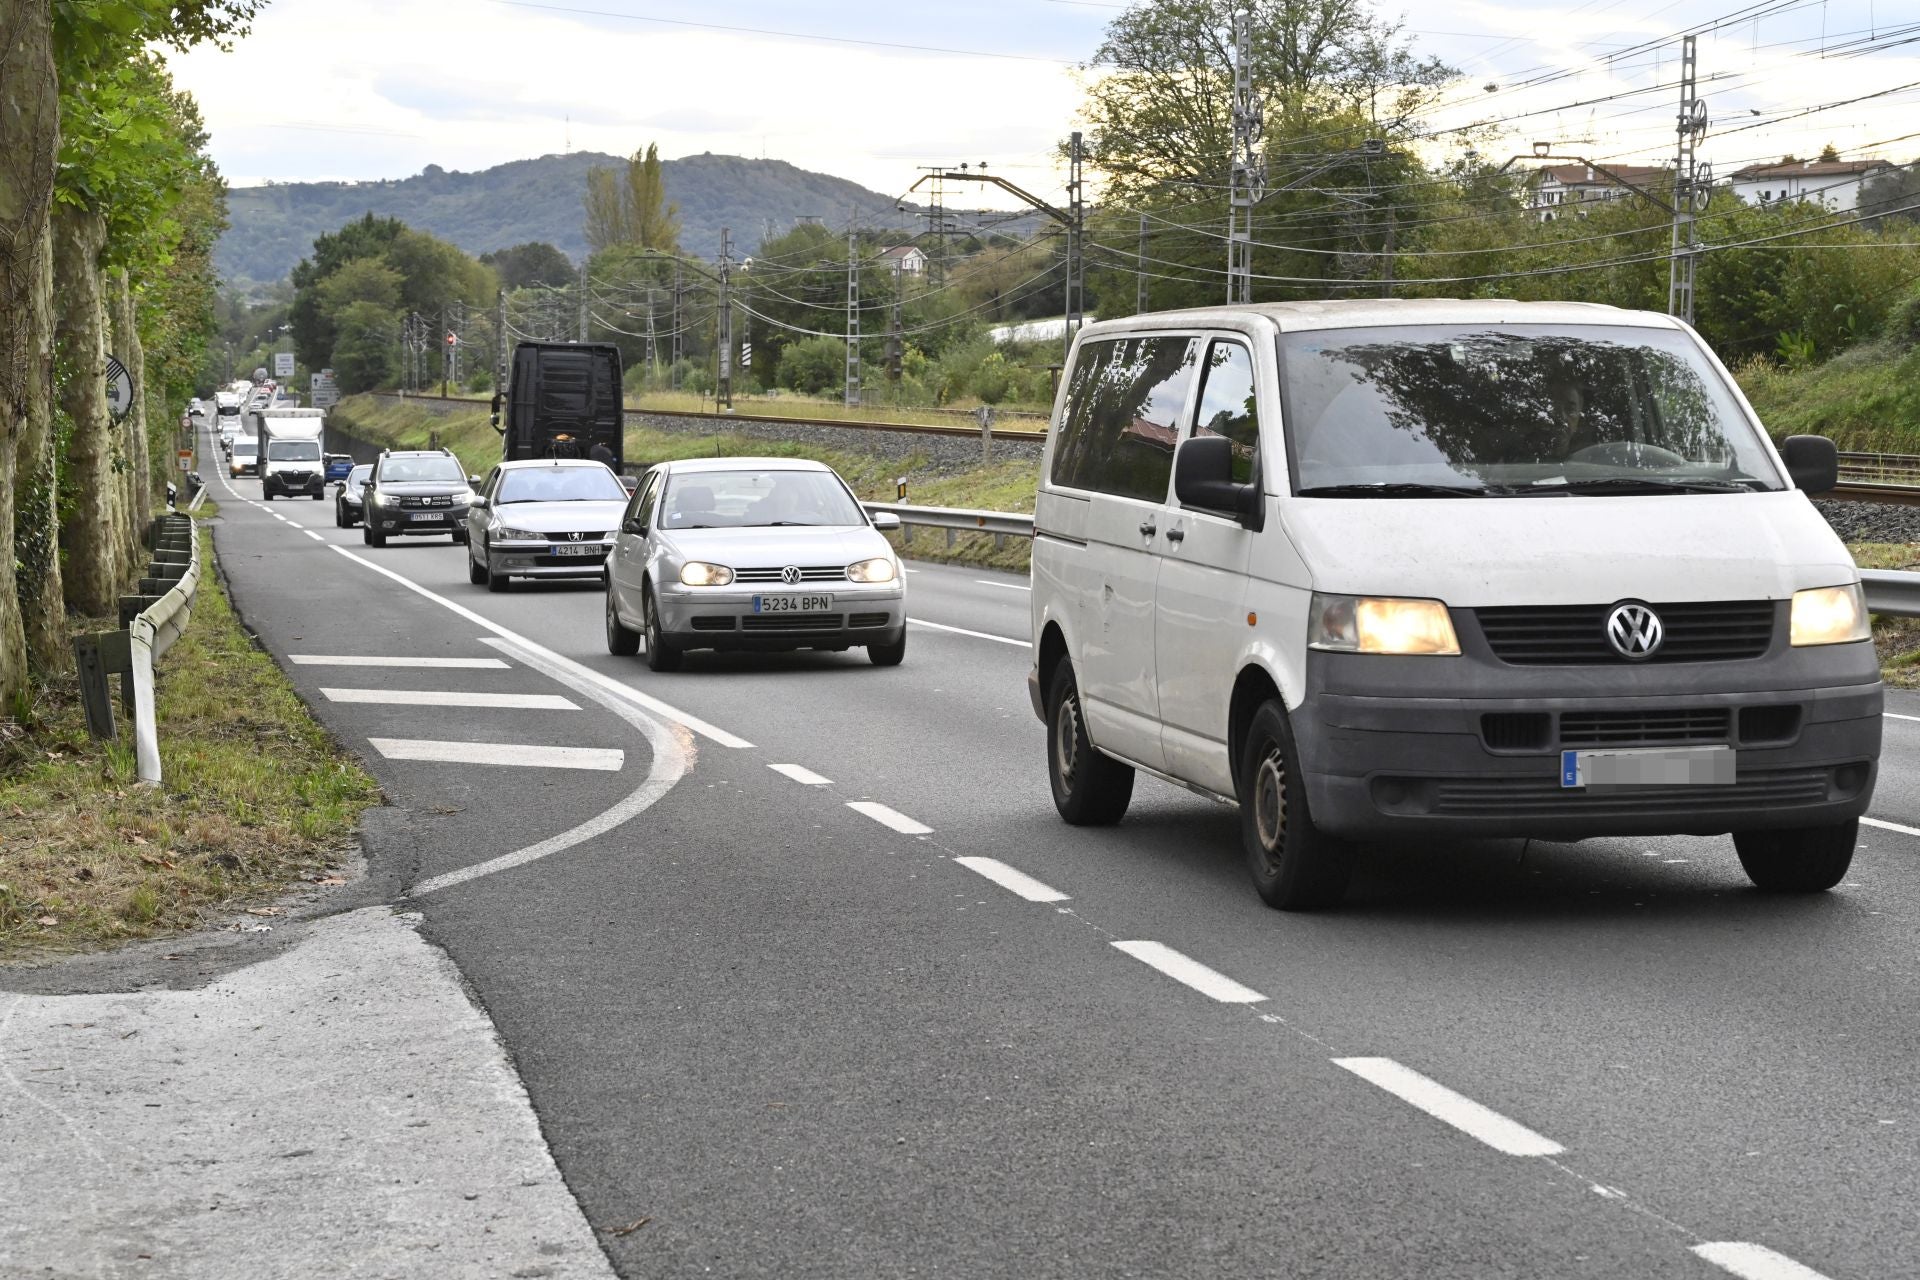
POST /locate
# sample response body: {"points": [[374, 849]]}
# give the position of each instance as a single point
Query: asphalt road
{"points": [[804, 1038]]}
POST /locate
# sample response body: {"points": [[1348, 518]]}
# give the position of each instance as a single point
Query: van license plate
{"points": [[1653, 767], [792, 604]]}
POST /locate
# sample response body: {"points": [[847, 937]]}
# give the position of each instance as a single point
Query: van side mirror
{"points": [[1203, 478], [1812, 461]]}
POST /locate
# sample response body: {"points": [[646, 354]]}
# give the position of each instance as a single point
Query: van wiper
{"points": [[1617, 485], [1395, 489]]}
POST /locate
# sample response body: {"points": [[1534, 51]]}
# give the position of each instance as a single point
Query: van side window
{"points": [[1227, 405], [1123, 415]]}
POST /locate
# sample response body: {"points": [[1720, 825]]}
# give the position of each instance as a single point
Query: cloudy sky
{"points": [[871, 89]]}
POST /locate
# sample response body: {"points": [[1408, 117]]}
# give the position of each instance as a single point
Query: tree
{"points": [[533, 263], [631, 208], [1830, 154], [313, 333], [363, 355], [606, 211], [1891, 194]]}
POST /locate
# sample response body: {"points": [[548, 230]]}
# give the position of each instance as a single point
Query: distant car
{"points": [[543, 518], [416, 491], [243, 459], [752, 553], [348, 496], [338, 465]]}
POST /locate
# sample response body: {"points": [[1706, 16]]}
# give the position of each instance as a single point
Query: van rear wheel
{"points": [[1295, 866], [1806, 860], [1089, 789]]}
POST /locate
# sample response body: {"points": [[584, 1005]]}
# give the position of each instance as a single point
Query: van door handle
{"points": [[1148, 528], [1176, 534]]}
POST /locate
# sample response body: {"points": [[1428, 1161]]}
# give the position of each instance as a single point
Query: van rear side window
{"points": [[1123, 415]]}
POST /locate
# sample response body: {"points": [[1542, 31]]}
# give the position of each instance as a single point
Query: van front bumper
{"points": [[1382, 757]]}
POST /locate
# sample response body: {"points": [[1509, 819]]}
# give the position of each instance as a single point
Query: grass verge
{"points": [[1866, 399], [255, 797]]}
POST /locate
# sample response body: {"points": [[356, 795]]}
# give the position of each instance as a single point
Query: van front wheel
{"points": [[1089, 789], [1295, 866], [1804, 860]]}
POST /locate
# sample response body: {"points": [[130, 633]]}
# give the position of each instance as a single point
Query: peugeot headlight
{"points": [[698, 573], [1380, 624], [1829, 615], [878, 569], [507, 533]]}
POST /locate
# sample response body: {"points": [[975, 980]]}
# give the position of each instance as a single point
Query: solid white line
{"points": [[889, 818], [453, 698], [368, 660], [1443, 1104], [1208, 982], [801, 775], [1004, 586], [1754, 1262], [506, 753], [1013, 880], [699, 726], [1895, 715], [1892, 826], [962, 631]]}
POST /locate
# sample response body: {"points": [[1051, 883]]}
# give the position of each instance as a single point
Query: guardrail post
{"points": [[986, 433], [95, 696]]}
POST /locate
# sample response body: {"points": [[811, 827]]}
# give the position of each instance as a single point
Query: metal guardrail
{"points": [[1891, 591], [151, 620]]}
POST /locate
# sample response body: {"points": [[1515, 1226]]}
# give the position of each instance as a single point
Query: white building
{"points": [[1559, 189], [1834, 184], [908, 257]]}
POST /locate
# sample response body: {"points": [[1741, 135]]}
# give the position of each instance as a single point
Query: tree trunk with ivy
{"points": [[29, 142], [93, 566], [36, 513], [129, 435]]}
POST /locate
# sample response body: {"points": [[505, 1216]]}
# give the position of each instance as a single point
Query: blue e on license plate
{"points": [[792, 604], [1653, 767]]}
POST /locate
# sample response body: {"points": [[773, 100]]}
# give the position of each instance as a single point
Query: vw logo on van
{"points": [[790, 576], [1634, 631]]}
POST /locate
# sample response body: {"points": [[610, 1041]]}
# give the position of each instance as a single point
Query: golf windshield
{"points": [[559, 484], [1518, 410], [420, 470], [293, 451], [757, 499]]}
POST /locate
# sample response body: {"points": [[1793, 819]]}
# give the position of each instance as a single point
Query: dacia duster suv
{"points": [[416, 491]]}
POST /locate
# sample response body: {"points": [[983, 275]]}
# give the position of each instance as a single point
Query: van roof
{"points": [[1355, 313]]}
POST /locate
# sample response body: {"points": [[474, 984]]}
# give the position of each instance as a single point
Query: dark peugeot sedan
{"points": [[415, 491], [347, 496]]}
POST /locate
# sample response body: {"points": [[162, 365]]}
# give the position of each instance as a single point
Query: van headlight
{"points": [[1829, 615], [698, 573], [1380, 624], [878, 569]]}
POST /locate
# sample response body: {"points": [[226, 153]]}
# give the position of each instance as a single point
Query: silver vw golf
{"points": [[752, 553]]}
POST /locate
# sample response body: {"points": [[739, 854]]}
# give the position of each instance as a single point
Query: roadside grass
{"points": [[1866, 399], [255, 797], [1895, 640]]}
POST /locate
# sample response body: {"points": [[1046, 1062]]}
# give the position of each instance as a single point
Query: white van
{"points": [[1385, 569]]}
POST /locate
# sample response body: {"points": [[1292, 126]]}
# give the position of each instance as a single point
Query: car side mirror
{"points": [[886, 521], [493, 413], [478, 504], [633, 524], [473, 482], [1203, 478], [1812, 461]]}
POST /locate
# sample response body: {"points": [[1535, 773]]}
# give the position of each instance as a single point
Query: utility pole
{"points": [[653, 351], [1247, 178], [583, 301], [677, 326], [1076, 239], [853, 314], [896, 336], [936, 224], [723, 394], [1689, 192], [500, 340], [1140, 271]]}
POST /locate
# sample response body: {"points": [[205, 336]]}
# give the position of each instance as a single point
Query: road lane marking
{"points": [[1895, 715], [801, 775], [370, 660], [1892, 826], [890, 818], [978, 635], [1012, 879], [1444, 1105], [453, 698], [1208, 982], [311, 534], [1004, 586], [607, 760], [1753, 1261], [607, 683]]}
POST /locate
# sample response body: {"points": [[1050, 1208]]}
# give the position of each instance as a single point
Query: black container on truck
{"points": [[562, 400]]}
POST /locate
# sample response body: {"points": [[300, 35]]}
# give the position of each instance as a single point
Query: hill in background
{"points": [[273, 227]]}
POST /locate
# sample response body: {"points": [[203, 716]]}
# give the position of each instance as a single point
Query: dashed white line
{"points": [[311, 534], [890, 818], [1208, 982], [373, 660], [523, 755], [453, 698], [1013, 880], [1448, 1107], [978, 635], [1004, 586], [802, 775], [1754, 1262], [1891, 826]]}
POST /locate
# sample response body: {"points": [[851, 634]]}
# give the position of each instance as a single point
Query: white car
{"points": [[543, 518], [753, 553], [1425, 569]]}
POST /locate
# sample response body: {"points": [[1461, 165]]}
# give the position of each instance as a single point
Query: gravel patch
{"points": [[1871, 521]]}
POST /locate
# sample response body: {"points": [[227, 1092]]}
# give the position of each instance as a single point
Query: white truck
{"points": [[290, 453]]}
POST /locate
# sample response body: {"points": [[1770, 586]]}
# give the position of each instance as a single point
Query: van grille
{"points": [[1526, 797], [1576, 635], [1652, 727]]}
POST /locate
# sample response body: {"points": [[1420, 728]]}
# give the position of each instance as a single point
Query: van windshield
{"points": [[293, 451], [1521, 410]]}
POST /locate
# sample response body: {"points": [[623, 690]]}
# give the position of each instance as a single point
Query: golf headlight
{"points": [[1829, 615], [698, 573], [507, 533], [1379, 624], [878, 569]]}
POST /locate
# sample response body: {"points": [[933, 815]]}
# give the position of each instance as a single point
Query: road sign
{"points": [[283, 364], [119, 389], [322, 390]]}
